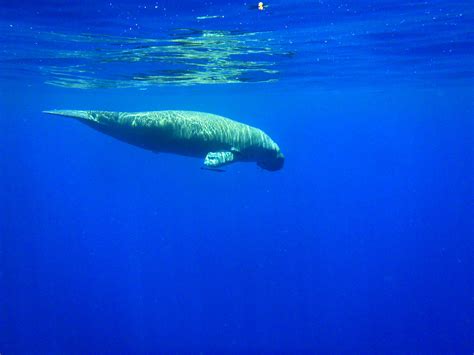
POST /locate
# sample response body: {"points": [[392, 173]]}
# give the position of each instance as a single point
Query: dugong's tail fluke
{"points": [[70, 113]]}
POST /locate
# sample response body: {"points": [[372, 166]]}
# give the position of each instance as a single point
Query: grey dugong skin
{"points": [[218, 139]]}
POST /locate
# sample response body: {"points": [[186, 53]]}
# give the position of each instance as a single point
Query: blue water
{"points": [[363, 243]]}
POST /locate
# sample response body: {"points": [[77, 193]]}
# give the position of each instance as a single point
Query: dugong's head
{"points": [[272, 161]]}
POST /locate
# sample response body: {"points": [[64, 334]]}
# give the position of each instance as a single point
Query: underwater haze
{"points": [[363, 243]]}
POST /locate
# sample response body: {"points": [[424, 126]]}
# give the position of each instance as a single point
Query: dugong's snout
{"points": [[273, 163]]}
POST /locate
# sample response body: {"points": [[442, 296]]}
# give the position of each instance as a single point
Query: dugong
{"points": [[217, 139]]}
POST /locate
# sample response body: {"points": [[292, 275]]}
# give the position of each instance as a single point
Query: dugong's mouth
{"points": [[273, 164]]}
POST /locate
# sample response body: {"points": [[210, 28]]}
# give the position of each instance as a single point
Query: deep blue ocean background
{"points": [[363, 243]]}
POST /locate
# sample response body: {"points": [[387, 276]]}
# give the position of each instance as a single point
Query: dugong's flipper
{"points": [[217, 159]]}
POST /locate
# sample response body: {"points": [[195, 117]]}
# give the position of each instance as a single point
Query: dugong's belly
{"points": [[164, 139]]}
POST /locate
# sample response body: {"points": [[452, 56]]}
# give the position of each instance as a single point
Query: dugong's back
{"points": [[181, 132], [197, 133]]}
